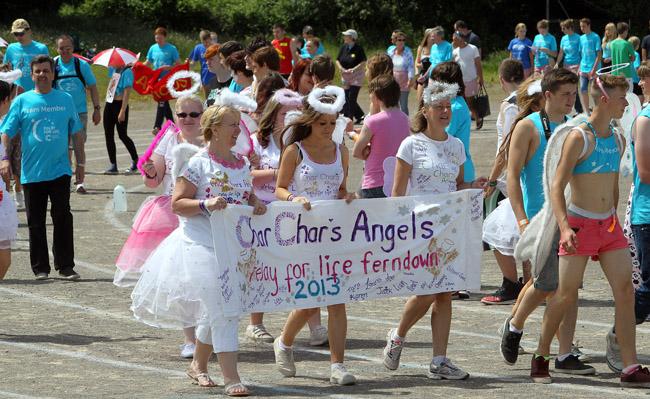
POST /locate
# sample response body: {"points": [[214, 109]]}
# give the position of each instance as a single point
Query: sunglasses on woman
{"points": [[184, 115]]}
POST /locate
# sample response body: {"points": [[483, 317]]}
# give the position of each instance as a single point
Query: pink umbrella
{"points": [[115, 57], [81, 57]]}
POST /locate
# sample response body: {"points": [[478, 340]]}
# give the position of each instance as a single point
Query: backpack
{"points": [[77, 69]]}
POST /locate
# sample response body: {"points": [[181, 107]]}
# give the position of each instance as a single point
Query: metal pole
{"points": [[548, 10]]}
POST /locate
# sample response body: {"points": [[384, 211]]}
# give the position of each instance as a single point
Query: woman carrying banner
{"points": [[432, 161], [310, 152], [179, 285], [155, 219]]}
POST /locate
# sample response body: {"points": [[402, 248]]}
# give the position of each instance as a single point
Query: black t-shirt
{"points": [[351, 57], [645, 44], [474, 39]]}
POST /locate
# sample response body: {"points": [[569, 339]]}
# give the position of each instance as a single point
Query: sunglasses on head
{"points": [[184, 115]]}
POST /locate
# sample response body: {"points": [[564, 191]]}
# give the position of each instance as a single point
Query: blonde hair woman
{"points": [[609, 35]]}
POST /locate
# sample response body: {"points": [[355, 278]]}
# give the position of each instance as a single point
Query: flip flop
{"points": [[231, 390], [202, 379]]}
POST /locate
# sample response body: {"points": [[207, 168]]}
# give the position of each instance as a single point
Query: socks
{"points": [[437, 360], [334, 366], [630, 369], [396, 337], [563, 357], [514, 329], [283, 346]]}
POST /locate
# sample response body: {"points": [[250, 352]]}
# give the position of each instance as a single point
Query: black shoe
{"points": [[69, 274], [506, 294], [132, 169], [510, 343], [573, 365], [112, 170]]}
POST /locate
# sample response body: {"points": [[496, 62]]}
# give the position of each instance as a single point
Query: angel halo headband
{"points": [[226, 97], [535, 87], [606, 71], [438, 91], [317, 105], [11, 76], [288, 98], [196, 83]]}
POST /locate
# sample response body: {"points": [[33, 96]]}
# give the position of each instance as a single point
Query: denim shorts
{"points": [[374, 192]]}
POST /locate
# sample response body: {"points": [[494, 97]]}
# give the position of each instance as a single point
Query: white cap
{"points": [[351, 32]]}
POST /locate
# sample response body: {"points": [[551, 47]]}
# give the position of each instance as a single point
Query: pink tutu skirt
{"points": [[153, 222]]}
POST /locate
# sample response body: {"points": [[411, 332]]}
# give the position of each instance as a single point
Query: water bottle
{"points": [[119, 199]]}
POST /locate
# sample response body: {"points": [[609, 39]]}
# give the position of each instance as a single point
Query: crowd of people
{"points": [[280, 97]]}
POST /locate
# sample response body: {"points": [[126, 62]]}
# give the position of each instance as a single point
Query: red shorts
{"points": [[595, 236]]}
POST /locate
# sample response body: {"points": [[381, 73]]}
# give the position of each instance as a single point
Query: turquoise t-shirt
{"points": [[570, 44], [546, 41], [159, 56], [234, 87], [459, 127], [589, 48], [635, 65], [440, 52], [44, 122], [641, 195], [20, 56], [73, 85], [126, 80], [305, 54]]}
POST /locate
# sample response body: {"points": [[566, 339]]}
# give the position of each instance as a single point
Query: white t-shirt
{"points": [[465, 58], [269, 159], [505, 118], [435, 164], [164, 149]]}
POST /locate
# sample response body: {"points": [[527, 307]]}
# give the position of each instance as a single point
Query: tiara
{"points": [[315, 102], [226, 97], [288, 97], [437, 91], [612, 68]]}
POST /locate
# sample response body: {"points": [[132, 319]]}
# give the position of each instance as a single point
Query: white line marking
{"points": [[7, 394]]}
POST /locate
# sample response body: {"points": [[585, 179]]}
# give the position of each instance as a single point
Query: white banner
{"points": [[337, 253]]}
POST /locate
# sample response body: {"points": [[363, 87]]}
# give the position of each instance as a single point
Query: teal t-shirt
{"points": [[589, 48], [126, 79], [160, 56], [460, 127], [20, 56], [622, 53], [44, 122], [73, 85], [641, 195], [440, 52], [546, 41], [570, 44], [635, 65]]}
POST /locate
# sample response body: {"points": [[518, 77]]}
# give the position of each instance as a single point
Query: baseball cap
{"points": [[19, 26], [351, 32]]}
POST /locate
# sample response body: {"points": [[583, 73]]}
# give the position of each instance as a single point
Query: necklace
{"points": [[238, 163]]}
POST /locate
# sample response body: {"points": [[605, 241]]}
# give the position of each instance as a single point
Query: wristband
{"points": [[81, 165], [202, 207], [523, 222], [492, 183], [290, 197], [5, 158]]}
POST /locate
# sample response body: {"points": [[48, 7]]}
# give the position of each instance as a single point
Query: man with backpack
{"points": [[74, 76]]}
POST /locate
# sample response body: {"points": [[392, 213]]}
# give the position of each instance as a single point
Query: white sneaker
{"points": [[613, 353], [318, 336], [446, 371], [284, 359], [575, 351], [19, 198], [392, 350], [258, 333], [341, 376], [187, 351]]}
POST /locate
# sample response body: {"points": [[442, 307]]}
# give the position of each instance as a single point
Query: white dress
{"points": [[269, 159], [8, 215], [179, 285], [316, 181]]}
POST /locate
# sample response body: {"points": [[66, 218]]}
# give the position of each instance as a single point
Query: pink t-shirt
{"points": [[388, 129]]}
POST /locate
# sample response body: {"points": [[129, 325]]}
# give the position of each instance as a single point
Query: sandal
{"points": [[202, 379], [236, 389], [479, 123]]}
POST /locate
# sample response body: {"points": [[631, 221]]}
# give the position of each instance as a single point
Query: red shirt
{"points": [[283, 46]]}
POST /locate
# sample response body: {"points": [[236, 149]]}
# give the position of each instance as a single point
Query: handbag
{"points": [[482, 102]]}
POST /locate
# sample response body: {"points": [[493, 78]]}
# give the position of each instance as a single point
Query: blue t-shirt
{"points": [[589, 48], [20, 56], [44, 122], [305, 54], [159, 56], [520, 50], [546, 41], [198, 54], [459, 127], [570, 44], [641, 194], [234, 87], [440, 52], [126, 80], [73, 85]]}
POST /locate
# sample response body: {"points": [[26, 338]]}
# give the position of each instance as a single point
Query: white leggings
{"points": [[221, 334]]}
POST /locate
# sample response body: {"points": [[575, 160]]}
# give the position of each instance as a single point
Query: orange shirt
{"points": [[283, 46]]}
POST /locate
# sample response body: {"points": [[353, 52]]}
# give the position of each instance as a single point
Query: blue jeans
{"points": [[642, 297], [404, 102]]}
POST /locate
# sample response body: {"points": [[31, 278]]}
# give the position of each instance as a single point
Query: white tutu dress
{"points": [[8, 215], [500, 229], [179, 286]]}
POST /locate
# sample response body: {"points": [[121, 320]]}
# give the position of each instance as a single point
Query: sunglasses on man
{"points": [[20, 34]]}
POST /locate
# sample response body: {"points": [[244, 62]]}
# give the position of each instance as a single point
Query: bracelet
{"points": [[523, 222], [290, 197], [202, 207], [492, 183], [81, 165]]}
